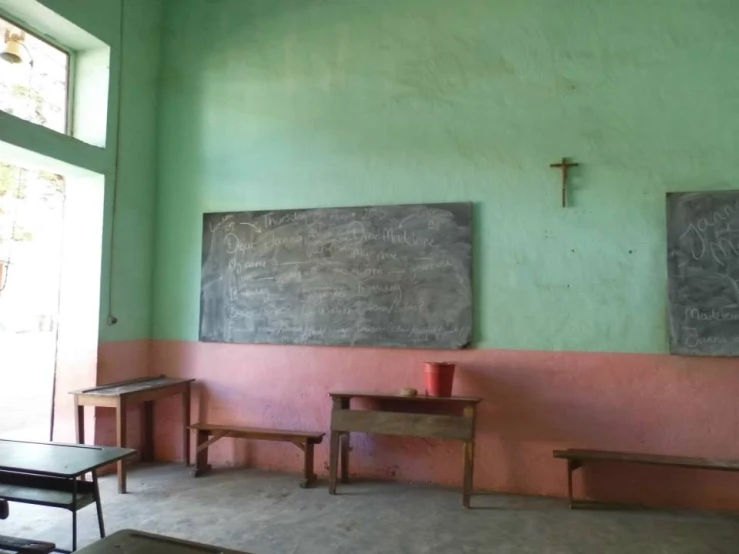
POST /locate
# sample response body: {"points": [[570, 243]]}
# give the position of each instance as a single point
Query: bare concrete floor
{"points": [[266, 513]]}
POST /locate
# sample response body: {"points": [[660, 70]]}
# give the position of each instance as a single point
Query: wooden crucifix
{"points": [[565, 166]]}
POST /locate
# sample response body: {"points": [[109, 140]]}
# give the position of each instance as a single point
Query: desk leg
{"points": [[147, 431], [98, 504], [469, 459], [469, 469], [344, 404], [120, 416], [345, 457], [333, 461], [74, 514], [186, 424], [79, 422]]}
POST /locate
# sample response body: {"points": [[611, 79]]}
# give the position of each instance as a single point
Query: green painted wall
{"points": [[289, 103], [134, 223]]}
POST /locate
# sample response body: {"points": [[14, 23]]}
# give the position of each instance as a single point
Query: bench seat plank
{"points": [[650, 459], [314, 437]]}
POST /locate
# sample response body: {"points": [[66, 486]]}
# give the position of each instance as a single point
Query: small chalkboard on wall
{"points": [[392, 276], [703, 270]]}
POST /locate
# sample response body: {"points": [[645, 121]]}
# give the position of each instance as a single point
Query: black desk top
{"points": [[138, 542], [57, 459]]}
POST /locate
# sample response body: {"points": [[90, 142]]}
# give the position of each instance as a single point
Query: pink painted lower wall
{"points": [[533, 402]]}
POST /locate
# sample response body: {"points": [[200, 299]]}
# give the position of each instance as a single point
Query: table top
{"points": [[57, 459], [130, 387], [419, 398], [128, 541]]}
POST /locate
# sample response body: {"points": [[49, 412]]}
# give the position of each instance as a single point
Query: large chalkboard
{"points": [[703, 267], [395, 276]]}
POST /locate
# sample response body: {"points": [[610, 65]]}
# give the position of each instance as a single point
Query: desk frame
{"points": [[63, 480], [345, 420], [121, 402]]}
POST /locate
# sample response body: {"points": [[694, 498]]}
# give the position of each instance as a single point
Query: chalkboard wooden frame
{"points": [[381, 276], [703, 272]]}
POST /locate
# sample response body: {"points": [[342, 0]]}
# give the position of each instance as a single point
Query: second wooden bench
{"points": [[208, 433], [577, 458]]}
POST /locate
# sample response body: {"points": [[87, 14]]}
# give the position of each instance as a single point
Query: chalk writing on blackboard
{"points": [[703, 269], [396, 276]]}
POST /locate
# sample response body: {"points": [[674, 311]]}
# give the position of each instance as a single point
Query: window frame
{"points": [[71, 68]]}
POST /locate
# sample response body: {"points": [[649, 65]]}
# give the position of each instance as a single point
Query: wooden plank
{"points": [[260, 433], [411, 425], [420, 398], [128, 541], [25, 546], [97, 401], [648, 459], [215, 437]]}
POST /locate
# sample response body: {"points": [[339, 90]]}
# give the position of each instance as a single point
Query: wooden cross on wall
{"points": [[565, 166]]}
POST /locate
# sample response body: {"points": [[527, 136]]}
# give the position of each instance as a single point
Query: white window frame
{"points": [[71, 66]]}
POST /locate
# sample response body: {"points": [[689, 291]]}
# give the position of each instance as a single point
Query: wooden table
{"points": [[128, 393], [385, 418], [138, 542], [48, 474]]}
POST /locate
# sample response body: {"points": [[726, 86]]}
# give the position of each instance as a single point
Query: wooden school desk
{"points": [[129, 393], [423, 422]]}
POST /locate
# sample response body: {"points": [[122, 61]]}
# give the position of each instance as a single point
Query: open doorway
{"points": [[31, 241], [34, 86]]}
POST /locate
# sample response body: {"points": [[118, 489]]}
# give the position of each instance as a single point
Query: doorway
{"points": [[32, 204]]}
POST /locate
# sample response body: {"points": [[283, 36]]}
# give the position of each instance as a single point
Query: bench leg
{"points": [[98, 504], [201, 458], [309, 476]]}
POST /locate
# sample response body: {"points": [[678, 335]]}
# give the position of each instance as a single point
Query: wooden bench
{"points": [[207, 434], [25, 546], [577, 458]]}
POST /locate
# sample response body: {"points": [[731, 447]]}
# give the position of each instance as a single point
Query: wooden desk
{"points": [[138, 542], [423, 422], [48, 474], [128, 393]]}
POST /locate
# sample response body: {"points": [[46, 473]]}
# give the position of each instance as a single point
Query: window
{"points": [[34, 78]]}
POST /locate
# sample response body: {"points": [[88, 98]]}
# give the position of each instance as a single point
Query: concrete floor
{"points": [[266, 513]]}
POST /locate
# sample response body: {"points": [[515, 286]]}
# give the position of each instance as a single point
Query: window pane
{"points": [[35, 89]]}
